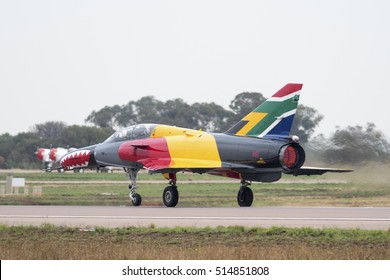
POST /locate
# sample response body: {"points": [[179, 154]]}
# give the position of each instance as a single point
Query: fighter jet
{"points": [[258, 148]]}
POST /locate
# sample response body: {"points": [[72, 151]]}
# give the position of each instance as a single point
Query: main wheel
{"points": [[136, 200], [170, 196], [245, 197]]}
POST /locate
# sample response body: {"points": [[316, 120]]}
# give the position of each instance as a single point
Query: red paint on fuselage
{"points": [[225, 172], [145, 149]]}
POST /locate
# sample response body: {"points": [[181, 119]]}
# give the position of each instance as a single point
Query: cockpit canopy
{"points": [[133, 132]]}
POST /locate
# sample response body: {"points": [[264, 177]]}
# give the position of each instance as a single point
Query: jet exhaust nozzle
{"points": [[291, 157]]}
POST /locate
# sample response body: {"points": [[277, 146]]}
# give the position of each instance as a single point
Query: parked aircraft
{"points": [[258, 148], [51, 156], [44, 156]]}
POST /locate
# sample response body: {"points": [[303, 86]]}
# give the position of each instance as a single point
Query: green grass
{"points": [[117, 175], [208, 194], [50, 242], [368, 186]]}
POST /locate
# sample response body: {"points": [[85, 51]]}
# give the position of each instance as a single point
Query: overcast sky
{"points": [[59, 60]]}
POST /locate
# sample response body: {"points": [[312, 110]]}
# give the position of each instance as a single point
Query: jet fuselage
{"points": [[165, 149]]}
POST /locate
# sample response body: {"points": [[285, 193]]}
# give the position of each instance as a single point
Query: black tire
{"points": [[137, 199], [170, 196], [245, 197]]}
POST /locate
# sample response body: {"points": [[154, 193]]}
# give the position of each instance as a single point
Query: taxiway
{"points": [[109, 216]]}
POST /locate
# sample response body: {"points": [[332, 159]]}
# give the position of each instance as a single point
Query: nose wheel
{"points": [[135, 198]]}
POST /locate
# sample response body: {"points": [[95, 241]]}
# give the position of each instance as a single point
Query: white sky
{"points": [[59, 60]]}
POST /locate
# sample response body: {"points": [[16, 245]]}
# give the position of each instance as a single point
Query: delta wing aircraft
{"points": [[258, 148]]}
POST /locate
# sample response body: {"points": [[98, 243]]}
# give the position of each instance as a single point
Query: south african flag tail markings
{"points": [[273, 118]]}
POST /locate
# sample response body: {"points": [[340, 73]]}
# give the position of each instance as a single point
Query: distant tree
{"points": [[127, 115], [19, 151], [2, 163], [354, 145], [145, 110], [148, 110], [208, 116], [244, 103], [49, 130], [177, 112], [105, 117], [212, 117], [305, 121], [81, 136], [23, 149], [6, 146]]}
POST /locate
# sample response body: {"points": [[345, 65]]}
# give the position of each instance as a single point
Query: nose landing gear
{"points": [[170, 194], [136, 199]]}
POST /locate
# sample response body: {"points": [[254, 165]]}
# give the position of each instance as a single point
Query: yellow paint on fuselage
{"points": [[253, 119], [189, 148], [167, 130]]}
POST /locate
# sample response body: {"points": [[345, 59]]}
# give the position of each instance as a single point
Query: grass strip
{"points": [[51, 242]]}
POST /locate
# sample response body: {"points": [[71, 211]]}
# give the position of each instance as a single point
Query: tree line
{"points": [[19, 151], [352, 145], [209, 117]]}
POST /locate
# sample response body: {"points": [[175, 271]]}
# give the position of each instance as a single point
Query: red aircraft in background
{"points": [[51, 156]]}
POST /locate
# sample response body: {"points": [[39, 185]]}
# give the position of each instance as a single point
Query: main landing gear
{"points": [[170, 194], [245, 194]]}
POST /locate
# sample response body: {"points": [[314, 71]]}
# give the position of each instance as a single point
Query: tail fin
{"points": [[272, 118]]}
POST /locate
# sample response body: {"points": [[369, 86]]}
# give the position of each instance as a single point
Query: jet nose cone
{"points": [[76, 159]]}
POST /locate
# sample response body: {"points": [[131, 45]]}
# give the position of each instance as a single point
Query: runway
{"points": [[110, 216]]}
